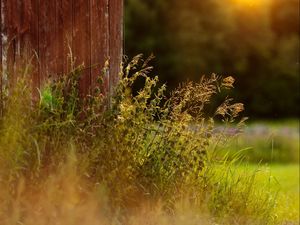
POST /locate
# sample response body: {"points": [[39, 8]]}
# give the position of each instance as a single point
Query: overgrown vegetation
{"points": [[105, 159]]}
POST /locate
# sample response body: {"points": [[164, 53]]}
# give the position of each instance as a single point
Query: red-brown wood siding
{"points": [[45, 33]]}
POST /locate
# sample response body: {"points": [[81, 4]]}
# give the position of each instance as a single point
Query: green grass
{"points": [[283, 179], [266, 142], [288, 199]]}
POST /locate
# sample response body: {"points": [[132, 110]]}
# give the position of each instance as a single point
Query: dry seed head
{"points": [[222, 110], [237, 108], [228, 82]]}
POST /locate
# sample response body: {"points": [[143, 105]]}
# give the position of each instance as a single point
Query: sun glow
{"points": [[250, 3]]}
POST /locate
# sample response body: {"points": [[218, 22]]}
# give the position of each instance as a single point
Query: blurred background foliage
{"points": [[256, 41]]}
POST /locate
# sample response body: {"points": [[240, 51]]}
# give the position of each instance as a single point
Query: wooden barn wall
{"points": [[44, 33]]}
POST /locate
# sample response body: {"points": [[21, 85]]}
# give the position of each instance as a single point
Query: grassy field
{"points": [[288, 199], [273, 142], [284, 180], [272, 149]]}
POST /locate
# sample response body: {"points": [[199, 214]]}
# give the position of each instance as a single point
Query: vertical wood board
{"points": [[46, 33]]}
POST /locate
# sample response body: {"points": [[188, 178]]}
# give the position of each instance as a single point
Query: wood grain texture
{"points": [[115, 40], [64, 35], [82, 42], [45, 32], [30, 46], [47, 39], [99, 41], [12, 35], [1, 68]]}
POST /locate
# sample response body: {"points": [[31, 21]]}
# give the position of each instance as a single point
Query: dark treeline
{"points": [[256, 43]]}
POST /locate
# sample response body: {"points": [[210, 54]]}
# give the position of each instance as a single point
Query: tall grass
{"points": [[129, 158]]}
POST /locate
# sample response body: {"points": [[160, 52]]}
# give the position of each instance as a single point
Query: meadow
{"points": [[137, 157], [266, 142], [271, 148], [283, 180]]}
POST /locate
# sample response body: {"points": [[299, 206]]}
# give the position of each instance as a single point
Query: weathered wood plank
{"points": [[4, 28], [19, 15], [92, 29], [64, 35], [99, 41], [12, 29], [28, 25], [47, 39], [30, 44], [115, 40], [1, 57], [82, 42]]}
